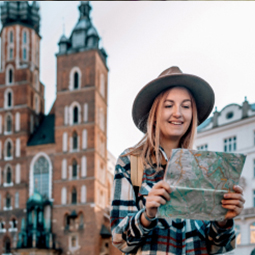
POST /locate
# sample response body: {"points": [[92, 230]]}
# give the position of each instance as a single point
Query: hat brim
{"points": [[199, 88]]}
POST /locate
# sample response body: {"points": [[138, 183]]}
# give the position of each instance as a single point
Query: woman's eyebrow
{"points": [[172, 101]]}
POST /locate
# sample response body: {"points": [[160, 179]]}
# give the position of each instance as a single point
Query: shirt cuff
{"points": [[144, 230]]}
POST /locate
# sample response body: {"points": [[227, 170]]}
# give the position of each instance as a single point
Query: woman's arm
{"points": [[128, 232]]}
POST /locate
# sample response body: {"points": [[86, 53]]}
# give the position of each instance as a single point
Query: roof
{"points": [[204, 124], [44, 134]]}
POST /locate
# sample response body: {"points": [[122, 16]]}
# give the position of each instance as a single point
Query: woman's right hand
{"points": [[158, 195]]}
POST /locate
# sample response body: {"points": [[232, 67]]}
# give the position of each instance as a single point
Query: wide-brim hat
{"points": [[201, 91]]}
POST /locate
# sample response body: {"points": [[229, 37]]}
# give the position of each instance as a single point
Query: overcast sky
{"points": [[214, 40]]}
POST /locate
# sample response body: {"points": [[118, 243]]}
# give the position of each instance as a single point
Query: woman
{"points": [[167, 110]]}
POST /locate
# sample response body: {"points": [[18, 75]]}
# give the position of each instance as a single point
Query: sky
{"points": [[213, 40]]}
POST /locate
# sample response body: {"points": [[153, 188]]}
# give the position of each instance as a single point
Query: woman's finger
{"points": [[238, 189], [162, 184], [232, 202], [236, 196], [160, 192]]}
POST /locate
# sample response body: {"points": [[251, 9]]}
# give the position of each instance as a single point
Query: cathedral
{"points": [[54, 186]]}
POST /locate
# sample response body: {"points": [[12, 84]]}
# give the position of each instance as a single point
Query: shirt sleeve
{"points": [[128, 232], [221, 240]]}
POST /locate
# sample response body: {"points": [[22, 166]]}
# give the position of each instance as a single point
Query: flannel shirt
{"points": [[171, 236]]}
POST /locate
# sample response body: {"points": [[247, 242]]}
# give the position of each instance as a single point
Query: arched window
{"points": [[75, 115], [74, 169], [9, 149], [81, 220], [102, 85], [11, 53], [63, 196], [11, 37], [7, 245], [41, 176], [24, 54], [10, 76], [74, 196], [17, 199], [8, 201], [24, 37], [9, 99], [8, 123], [8, 175], [76, 80], [75, 141], [83, 194]]}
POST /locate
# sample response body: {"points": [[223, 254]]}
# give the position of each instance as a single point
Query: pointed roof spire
{"points": [[84, 9]]}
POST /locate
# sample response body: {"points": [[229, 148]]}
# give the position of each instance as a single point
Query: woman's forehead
{"points": [[177, 92]]}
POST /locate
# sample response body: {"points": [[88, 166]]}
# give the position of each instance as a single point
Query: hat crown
{"points": [[171, 71]]}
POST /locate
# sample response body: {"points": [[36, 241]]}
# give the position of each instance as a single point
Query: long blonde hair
{"points": [[149, 144]]}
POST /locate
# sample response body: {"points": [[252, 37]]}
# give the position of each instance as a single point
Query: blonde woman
{"points": [[168, 110]]}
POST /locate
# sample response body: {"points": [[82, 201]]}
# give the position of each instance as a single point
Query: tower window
{"points": [[9, 99], [24, 37], [8, 201], [41, 176], [11, 53], [8, 175], [7, 246], [75, 115], [10, 76], [76, 80], [74, 196], [75, 141], [24, 54], [230, 144], [8, 124], [74, 168], [9, 150], [11, 37]]}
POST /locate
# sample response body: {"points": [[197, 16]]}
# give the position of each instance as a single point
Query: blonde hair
{"points": [[149, 144]]}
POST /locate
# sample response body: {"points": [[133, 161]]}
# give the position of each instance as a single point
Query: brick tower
{"points": [[21, 108], [79, 179], [53, 168]]}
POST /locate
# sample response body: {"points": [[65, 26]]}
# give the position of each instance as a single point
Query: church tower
{"points": [[79, 181], [21, 107]]}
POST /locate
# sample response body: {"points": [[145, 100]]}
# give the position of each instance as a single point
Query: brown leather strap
{"points": [[136, 166]]}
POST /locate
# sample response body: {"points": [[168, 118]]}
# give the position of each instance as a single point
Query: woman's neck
{"points": [[168, 146]]}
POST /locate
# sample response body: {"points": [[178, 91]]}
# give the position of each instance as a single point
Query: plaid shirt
{"points": [[172, 236]]}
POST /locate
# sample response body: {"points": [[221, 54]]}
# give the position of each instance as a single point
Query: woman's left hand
{"points": [[234, 202]]}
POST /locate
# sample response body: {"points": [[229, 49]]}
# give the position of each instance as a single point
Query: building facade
{"points": [[53, 168], [233, 130]]}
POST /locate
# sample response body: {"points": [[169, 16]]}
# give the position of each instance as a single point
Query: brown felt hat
{"points": [[172, 77]]}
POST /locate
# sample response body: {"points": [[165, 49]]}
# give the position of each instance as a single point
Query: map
{"points": [[198, 180]]}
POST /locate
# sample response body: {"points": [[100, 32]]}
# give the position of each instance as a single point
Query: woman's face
{"points": [[176, 114]]}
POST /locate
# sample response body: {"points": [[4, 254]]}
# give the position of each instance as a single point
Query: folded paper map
{"points": [[198, 180]]}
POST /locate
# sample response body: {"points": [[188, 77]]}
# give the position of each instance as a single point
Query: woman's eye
{"points": [[168, 106], [186, 106]]}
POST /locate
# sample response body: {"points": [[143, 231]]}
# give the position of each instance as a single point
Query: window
{"points": [[230, 144], [41, 176], [73, 241], [76, 80], [17, 121], [102, 85], [83, 194], [74, 196], [24, 37], [83, 166], [74, 169], [252, 232], [75, 115], [2, 226], [64, 146], [8, 202], [9, 150], [9, 99], [203, 147], [7, 245], [24, 54], [11, 37], [11, 53], [10, 76], [84, 139], [81, 220], [64, 170], [8, 175], [229, 115], [8, 124], [75, 141], [86, 115], [18, 147], [17, 174]]}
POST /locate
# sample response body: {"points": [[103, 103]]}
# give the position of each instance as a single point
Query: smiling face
{"points": [[176, 114]]}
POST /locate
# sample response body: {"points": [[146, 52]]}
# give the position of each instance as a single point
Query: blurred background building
{"points": [[233, 130], [54, 179]]}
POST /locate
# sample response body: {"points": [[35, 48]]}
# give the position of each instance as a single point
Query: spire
{"points": [[84, 9]]}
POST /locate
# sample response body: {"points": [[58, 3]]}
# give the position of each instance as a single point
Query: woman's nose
{"points": [[177, 112]]}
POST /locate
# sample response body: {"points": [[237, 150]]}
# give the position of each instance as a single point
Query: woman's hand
{"points": [[158, 195], [234, 202]]}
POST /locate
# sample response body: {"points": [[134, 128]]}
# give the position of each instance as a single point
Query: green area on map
{"points": [[198, 180]]}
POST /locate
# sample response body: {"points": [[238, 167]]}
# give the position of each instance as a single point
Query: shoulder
{"points": [[123, 163]]}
